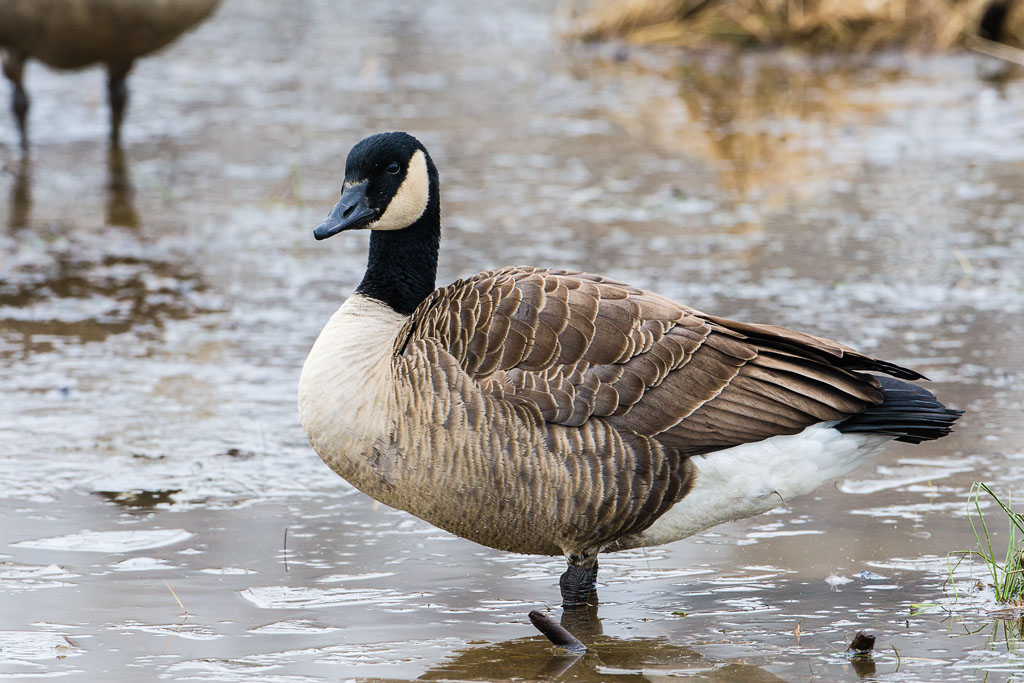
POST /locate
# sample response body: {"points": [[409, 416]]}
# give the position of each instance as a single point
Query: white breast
{"points": [[747, 480], [346, 387]]}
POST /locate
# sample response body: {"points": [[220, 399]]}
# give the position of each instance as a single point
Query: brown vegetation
{"points": [[811, 24]]}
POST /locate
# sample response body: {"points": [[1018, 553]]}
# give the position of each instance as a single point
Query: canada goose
{"points": [[72, 34], [562, 413]]}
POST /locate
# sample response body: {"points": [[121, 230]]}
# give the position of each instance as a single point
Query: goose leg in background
{"points": [[14, 70], [117, 94], [579, 579]]}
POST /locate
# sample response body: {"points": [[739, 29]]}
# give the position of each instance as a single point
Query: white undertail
{"points": [[752, 478]]}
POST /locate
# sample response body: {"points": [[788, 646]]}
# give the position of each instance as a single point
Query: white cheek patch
{"points": [[410, 201]]}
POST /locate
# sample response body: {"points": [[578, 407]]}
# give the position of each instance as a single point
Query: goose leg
{"points": [[578, 581], [14, 70], [117, 94]]}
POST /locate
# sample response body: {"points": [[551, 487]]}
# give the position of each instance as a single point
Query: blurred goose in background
{"points": [[73, 34], [563, 413]]}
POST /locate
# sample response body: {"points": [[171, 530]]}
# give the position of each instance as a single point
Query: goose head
{"points": [[390, 184]]}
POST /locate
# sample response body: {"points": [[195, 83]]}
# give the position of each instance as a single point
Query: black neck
{"points": [[402, 267]]}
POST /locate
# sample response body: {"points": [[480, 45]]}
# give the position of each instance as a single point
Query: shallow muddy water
{"points": [[155, 309]]}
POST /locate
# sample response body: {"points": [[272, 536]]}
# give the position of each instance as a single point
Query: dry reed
{"points": [[851, 25]]}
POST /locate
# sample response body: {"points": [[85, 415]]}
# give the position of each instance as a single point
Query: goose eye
{"points": [[394, 168]]}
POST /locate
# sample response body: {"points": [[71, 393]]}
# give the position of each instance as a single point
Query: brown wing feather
{"points": [[580, 346]]}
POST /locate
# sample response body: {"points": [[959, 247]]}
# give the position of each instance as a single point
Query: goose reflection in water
{"points": [[120, 191], [607, 659], [21, 194], [120, 205]]}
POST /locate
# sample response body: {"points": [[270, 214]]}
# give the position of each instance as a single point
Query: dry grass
{"points": [[857, 25]]}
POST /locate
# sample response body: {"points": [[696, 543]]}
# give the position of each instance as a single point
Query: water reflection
{"points": [[863, 665], [757, 116], [583, 621], [42, 301], [140, 501], [120, 206], [21, 194], [607, 659], [1005, 630], [769, 125], [120, 191]]}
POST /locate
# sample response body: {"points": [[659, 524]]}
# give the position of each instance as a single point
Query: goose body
{"points": [[554, 412], [73, 34]]}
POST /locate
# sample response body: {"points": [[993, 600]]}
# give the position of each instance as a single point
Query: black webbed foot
{"points": [[577, 583]]}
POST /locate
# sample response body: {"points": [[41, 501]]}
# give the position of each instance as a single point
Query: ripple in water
{"points": [[109, 541]]}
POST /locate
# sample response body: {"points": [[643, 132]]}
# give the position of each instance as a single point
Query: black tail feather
{"points": [[908, 412]]}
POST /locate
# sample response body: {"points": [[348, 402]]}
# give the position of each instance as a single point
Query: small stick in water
{"points": [[185, 611], [286, 550], [558, 636]]}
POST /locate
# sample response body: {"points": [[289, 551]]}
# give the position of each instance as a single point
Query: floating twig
{"points": [[176, 598], [286, 550], [184, 612]]}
